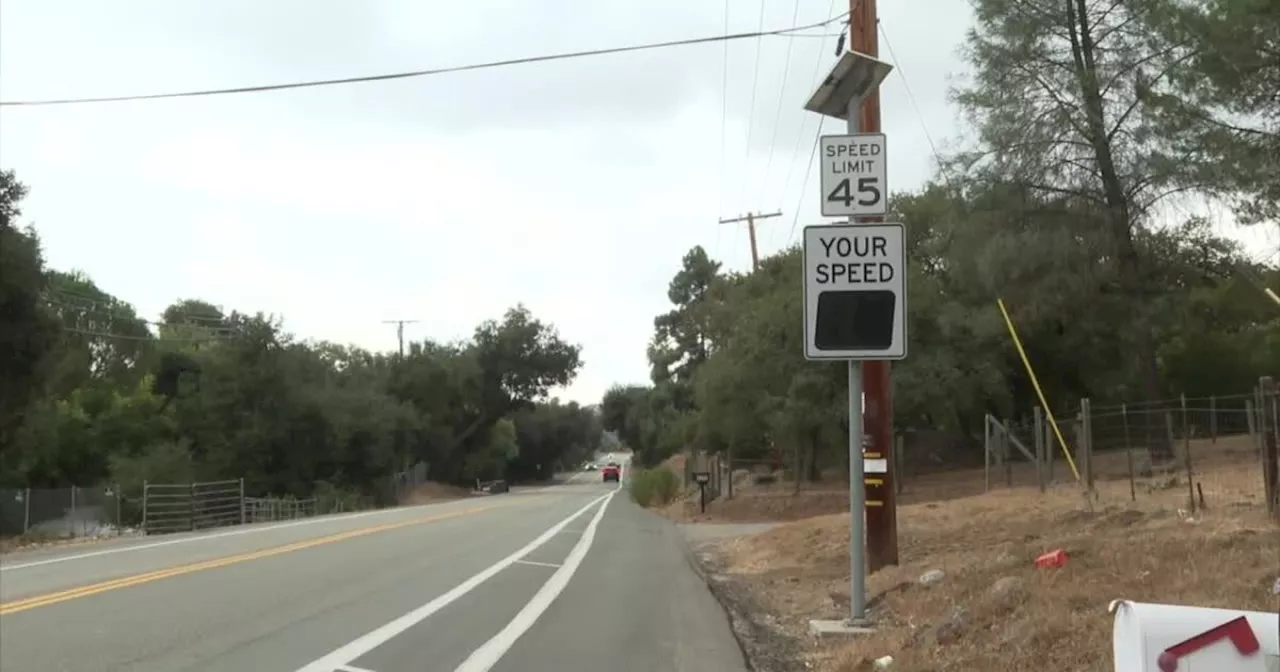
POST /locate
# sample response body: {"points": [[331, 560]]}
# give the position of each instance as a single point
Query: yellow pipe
{"points": [[1039, 393]]}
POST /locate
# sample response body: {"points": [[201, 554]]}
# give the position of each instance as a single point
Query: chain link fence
{"points": [[64, 513]]}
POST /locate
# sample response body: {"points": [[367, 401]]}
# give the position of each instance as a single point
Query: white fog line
{"points": [[484, 658], [347, 653], [190, 540]]}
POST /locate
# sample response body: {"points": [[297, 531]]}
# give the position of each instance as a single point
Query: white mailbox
{"points": [[1172, 638]]}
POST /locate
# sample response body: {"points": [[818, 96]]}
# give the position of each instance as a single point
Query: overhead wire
{"points": [[800, 136], [782, 96], [429, 72], [724, 125], [911, 98], [751, 108]]}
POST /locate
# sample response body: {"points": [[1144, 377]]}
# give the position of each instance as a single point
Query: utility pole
{"points": [[750, 218], [400, 331], [877, 381]]}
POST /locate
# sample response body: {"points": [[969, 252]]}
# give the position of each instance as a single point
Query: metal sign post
{"points": [[855, 281]]}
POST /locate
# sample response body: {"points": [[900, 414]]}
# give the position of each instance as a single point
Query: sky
{"points": [[573, 187]]}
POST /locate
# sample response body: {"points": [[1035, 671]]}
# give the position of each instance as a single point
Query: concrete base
{"points": [[842, 628]]}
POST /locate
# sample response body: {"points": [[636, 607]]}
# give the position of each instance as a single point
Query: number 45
{"points": [[868, 192]]}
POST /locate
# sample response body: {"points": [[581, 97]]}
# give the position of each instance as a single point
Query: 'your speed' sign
{"points": [[853, 175]]}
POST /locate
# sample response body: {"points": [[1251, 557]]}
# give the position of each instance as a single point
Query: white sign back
{"points": [[854, 174], [855, 292]]}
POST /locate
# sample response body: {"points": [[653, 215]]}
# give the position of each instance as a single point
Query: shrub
{"points": [[654, 487]]}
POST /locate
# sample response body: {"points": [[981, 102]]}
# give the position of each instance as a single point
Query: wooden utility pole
{"points": [[750, 218], [400, 331], [877, 383]]}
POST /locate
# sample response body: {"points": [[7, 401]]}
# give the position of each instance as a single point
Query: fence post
{"points": [[1213, 421], [119, 522], [1128, 452], [1186, 454], [1037, 427], [900, 463], [986, 452], [1251, 422], [242, 500], [72, 515], [144, 507], [1086, 435], [26, 510], [191, 504], [1269, 439]]}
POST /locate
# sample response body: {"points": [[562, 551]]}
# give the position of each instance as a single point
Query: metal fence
{"points": [[184, 507], [1195, 452], [62, 513], [271, 509]]}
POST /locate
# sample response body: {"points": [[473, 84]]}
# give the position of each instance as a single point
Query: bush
{"points": [[654, 487]]}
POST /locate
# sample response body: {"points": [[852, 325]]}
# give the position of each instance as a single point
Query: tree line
{"points": [[92, 392], [1093, 127]]}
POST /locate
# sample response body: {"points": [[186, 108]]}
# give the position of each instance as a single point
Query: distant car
{"points": [[611, 473], [591, 466]]}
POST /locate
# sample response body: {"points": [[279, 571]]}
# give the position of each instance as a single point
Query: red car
{"points": [[612, 472]]}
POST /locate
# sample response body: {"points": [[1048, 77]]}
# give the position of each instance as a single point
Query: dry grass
{"points": [[1149, 550]]}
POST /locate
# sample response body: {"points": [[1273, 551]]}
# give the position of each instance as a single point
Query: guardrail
{"points": [[185, 507]]}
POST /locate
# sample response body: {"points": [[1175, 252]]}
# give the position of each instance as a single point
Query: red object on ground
{"points": [[1052, 559]]}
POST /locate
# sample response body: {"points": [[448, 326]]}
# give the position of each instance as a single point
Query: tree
{"points": [[94, 392], [1058, 101], [28, 333], [1220, 112]]}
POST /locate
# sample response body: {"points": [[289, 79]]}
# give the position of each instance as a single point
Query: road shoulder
{"points": [[764, 646]]}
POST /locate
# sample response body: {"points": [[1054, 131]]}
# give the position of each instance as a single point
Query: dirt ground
{"points": [[993, 610]]}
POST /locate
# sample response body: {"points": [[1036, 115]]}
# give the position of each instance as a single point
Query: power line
{"points": [[800, 135], [817, 135], [781, 32], [751, 110], [911, 97], [782, 96], [724, 118]]}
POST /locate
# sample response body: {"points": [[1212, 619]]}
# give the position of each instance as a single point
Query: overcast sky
{"points": [[572, 186]]}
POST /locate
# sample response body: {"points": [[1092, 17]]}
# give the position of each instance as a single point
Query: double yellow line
{"points": [[7, 608]]}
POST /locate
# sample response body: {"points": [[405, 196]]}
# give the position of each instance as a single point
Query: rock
{"points": [[1008, 591], [949, 630], [931, 577]]}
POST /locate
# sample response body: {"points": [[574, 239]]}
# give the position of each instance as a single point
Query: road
{"points": [[565, 578]]}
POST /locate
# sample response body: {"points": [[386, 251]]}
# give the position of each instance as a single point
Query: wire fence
{"points": [[271, 509], [63, 513], [1188, 453]]}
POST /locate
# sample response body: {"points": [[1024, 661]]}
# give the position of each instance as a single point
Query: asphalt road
{"points": [[572, 577]]}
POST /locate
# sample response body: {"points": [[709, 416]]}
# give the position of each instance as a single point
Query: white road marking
{"points": [[203, 537], [347, 653], [348, 668], [484, 658], [537, 564]]}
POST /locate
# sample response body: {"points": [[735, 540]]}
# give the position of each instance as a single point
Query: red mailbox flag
{"points": [[1237, 631]]}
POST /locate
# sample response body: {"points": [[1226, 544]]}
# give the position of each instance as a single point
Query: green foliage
{"points": [[1086, 120], [654, 487], [90, 392]]}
